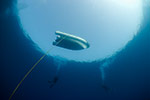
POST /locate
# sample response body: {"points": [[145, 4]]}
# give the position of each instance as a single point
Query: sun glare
{"points": [[128, 3]]}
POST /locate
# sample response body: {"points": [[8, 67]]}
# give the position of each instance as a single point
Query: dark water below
{"points": [[126, 78]]}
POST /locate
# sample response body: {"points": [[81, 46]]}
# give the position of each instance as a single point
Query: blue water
{"points": [[125, 76]]}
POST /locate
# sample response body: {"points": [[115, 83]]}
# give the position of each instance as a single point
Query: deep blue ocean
{"points": [[126, 78]]}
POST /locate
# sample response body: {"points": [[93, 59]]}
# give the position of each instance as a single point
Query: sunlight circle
{"points": [[105, 24]]}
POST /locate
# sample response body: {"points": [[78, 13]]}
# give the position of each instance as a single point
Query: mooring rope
{"points": [[26, 75]]}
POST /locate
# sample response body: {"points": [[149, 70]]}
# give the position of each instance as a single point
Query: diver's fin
{"points": [[50, 81], [51, 85]]}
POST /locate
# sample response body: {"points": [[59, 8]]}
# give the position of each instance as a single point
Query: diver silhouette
{"points": [[106, 88], [57, 74], [53, 82]]}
